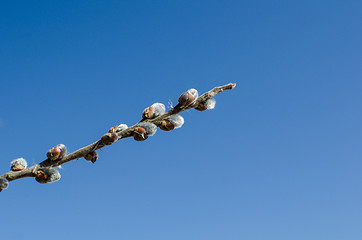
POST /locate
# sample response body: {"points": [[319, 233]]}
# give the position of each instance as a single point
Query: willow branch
{"points": [[82, 152]]}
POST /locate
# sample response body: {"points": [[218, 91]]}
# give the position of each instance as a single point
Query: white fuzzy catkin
{"points": [[159, 109], [19, 161], [188, 97], [149, 127], [210, 103], [121, 127], [176, 120], [4, 183], [52, 174], [63, 148], [194, 93]]}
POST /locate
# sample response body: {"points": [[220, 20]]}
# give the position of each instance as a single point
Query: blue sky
{"points": [[278, 158]]}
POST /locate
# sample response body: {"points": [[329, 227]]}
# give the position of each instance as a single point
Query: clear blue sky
{"points": [[278, 159]]}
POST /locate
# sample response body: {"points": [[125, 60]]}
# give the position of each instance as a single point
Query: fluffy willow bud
{"points": [[4, 183], [172, 122], [207, 104], [144, 130], [118, 128], [57, 152], [18, 164], [109, 138], [92, 156], [188, 97], [47, 175], [153, 111], [121, 127]]}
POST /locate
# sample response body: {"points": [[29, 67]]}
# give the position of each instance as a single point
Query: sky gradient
{"points": [[279, 158]]}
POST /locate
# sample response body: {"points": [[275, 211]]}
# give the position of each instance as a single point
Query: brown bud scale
{"points": [[41, 177], [186, 99], [201, 107], [167, 125], [113, 129], [92, 156], [148, 112], [17, 167], [109, 138], [140, 134]]}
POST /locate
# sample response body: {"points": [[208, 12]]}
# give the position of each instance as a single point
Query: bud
{"points": [[4, 183], [172, 122], [121, 127], [118, 128], [109, 138], [148, 112], [57, 152], [18, 164], [140, 134], [92, 156], [153, 111], [113, 129], [47, 175], [144, 130], [150, 128], [207, 104], [188, 97]]}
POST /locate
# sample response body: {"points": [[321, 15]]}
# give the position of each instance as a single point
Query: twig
{"points": [[82, 152]]}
